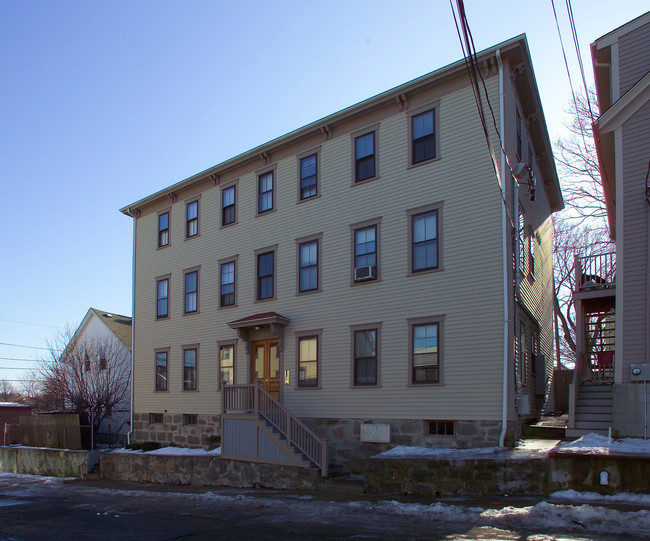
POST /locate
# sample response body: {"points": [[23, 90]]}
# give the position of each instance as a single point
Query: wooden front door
{"points": [[265, 366]]}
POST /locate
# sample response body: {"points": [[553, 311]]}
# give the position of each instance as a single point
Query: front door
{"points": [[265, 366]]}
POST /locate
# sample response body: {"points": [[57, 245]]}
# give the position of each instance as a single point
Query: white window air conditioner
{"points": [[369, 272]]}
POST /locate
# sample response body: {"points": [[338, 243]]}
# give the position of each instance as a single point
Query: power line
{"points": [[574, 33], [17, 359], [19, 368], [24, 346], [28, 323]]}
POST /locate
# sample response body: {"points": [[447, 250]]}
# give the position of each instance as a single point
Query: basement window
{"points": [[189, 419], [155, 418], [441, 428]]}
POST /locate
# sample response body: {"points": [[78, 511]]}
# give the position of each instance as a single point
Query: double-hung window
{"points": [[189, 369], [192, 229], [162, 298], [365, 253], [161, 370], [424, 241], [265, 192], [227, 292], [265, 276], [365, 356], [308, 266], [425, 353], [423, 136], [163, 229], [364, 157], [228, 200], [227, 364], [308, 349], [191, 292], [309, 176]]}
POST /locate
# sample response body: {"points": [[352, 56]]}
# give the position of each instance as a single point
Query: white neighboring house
{"points": [[110, 335]]}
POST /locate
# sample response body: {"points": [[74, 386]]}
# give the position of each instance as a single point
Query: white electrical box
{"points": [[377, 433]]}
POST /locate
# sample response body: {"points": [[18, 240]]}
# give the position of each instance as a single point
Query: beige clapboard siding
{"points": [[471, 253], [633, 57]]}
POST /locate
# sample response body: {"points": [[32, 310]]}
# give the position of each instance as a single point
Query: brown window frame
{"points": [[166, 375]]}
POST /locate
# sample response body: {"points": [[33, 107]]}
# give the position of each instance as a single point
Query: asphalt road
{"points": [[34, 508]]}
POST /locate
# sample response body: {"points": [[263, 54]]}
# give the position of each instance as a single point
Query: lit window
{"points": [[308, 361], [227, 364]]}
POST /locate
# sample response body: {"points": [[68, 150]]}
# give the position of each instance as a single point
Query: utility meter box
{"points": [[640, 372]]}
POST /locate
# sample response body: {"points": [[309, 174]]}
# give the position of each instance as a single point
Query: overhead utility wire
{"points": [[568, 72], [24, 346], [576, 43], [27, 323], [471, 62]]}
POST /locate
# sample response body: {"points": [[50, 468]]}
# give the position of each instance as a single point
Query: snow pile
{"points": [[173, 451], [622, 498], [595, 444], [427, 452]]}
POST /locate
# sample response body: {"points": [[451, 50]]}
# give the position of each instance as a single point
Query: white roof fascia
{"points": [[626, 106]]}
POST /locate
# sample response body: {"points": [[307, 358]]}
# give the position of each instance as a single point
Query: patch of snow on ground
{"points": [[595, 444], [625, 498], [426, 452], [173, 451]]}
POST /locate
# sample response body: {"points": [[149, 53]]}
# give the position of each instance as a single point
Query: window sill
{"points": [[310, 292], [364, 181], [193, 237], [425, 271], [228, 307], [163, 247], [265, 212], [257, 301], [426, 384], [361, 282], [191, 313], [317, 196], [377, 386], [162, 318], [423, 162], [312, 388], [228, 225]]}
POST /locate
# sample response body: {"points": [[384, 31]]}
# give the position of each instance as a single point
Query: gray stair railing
{"points": [[252, 398]]}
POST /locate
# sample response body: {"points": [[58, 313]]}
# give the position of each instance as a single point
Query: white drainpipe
{"points": [[504, 224], [128, 436]]}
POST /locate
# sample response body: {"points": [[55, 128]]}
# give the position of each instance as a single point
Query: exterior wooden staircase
{"points": [[256, 427], [593, 411]]}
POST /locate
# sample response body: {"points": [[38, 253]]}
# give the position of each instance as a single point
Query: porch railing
{"points": [[252, 398], [595, 271]]}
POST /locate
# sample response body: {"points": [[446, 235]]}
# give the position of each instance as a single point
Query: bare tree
{"points": [[582, 228], [8, 392], [571, 241], [85, 376], [577, 162]]}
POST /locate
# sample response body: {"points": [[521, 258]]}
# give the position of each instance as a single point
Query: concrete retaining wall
{"points": [[203, 471], [41, 461]]}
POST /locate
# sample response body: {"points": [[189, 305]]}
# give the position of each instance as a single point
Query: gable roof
{"points": [[119, 325]]}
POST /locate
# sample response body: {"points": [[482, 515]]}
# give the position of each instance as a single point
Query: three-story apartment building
{"points": [[379, 266]]}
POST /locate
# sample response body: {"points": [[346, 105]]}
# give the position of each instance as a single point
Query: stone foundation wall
{"points": [[173, 431], [204, 471], [344, 436], [41, 461]]}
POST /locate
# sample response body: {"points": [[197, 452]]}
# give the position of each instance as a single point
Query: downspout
{"points": [[132, 214], [504, 225]]}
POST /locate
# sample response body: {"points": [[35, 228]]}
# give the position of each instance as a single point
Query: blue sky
{"points": [[104, 103]]}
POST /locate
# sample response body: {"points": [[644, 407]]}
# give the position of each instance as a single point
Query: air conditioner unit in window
{"points": [[369, 272]]}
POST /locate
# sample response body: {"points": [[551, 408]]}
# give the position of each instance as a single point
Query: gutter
{"points": [[133, 215], [504, 237]]}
